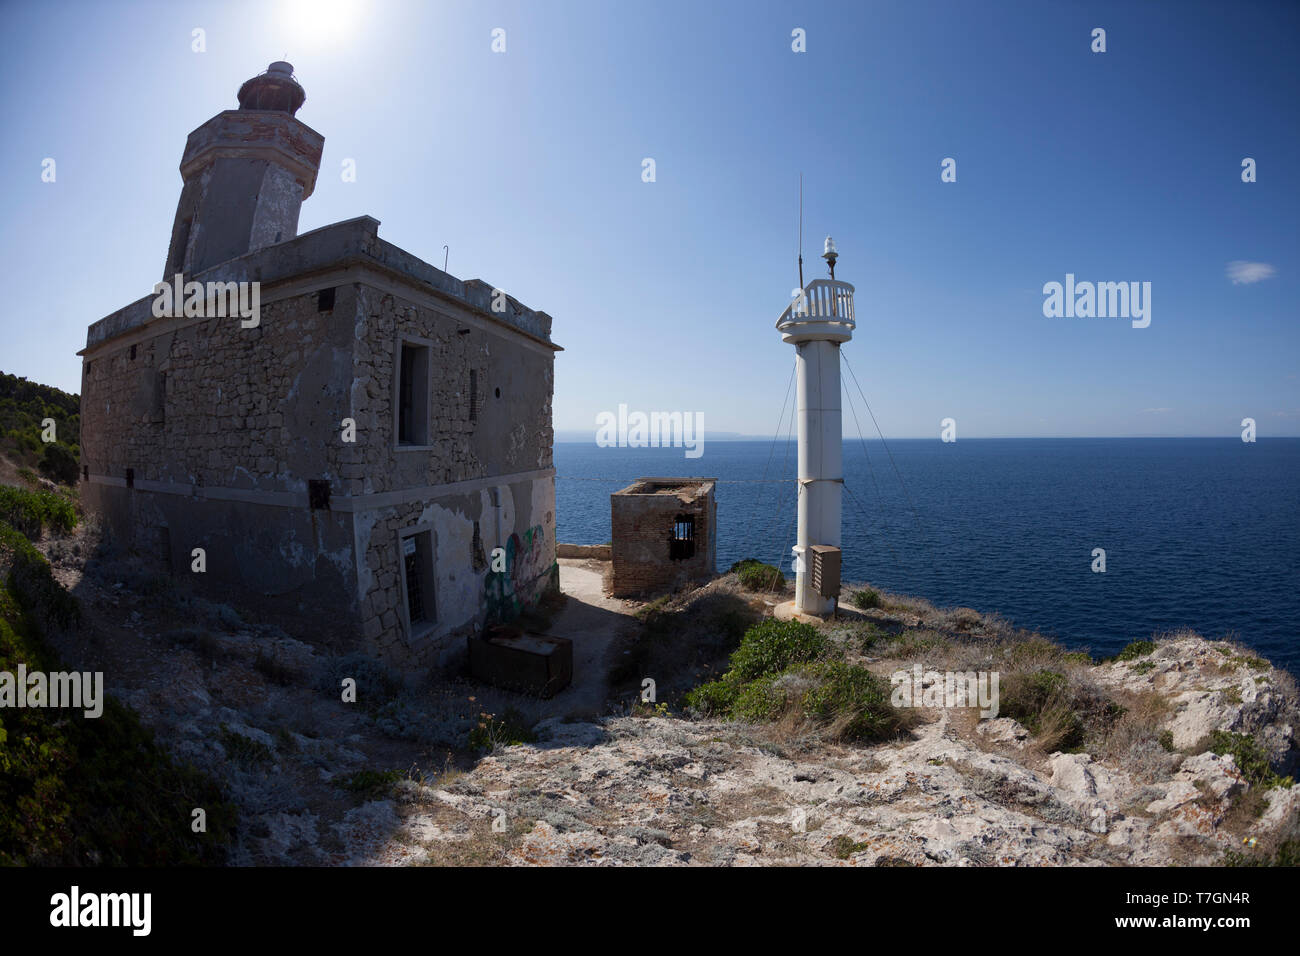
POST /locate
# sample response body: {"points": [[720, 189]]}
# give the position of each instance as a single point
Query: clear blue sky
{"points": [[1122, 166]]}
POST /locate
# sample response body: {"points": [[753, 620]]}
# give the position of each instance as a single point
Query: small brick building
{"points": [[664, 534]]}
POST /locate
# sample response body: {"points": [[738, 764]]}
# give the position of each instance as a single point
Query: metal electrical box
{"points": [[511, 658], [826, 570]]}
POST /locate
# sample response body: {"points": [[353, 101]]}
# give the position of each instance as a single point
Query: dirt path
{"points": [[596, 624]]}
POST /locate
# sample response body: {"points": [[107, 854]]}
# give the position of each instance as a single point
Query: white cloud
{"points": [[1244, 273]]}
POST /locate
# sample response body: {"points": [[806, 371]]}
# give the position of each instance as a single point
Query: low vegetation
{"points": [[32, 513], [757, 576], [866, 599], [1135, 650], [508, 730], [86, 791], [788, 670], [1250, 758]]}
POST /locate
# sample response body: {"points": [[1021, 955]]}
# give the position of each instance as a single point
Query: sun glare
{"points": [[317, 24]]}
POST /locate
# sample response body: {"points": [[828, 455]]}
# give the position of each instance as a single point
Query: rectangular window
{"points": [[413, 394], [414, 594], [325, 300], [318, 494], [417, 579], [158, 412], [130, 477], [682, 544]]}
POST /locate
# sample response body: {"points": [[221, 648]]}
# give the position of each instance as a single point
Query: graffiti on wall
{"points": [[511, 590]]}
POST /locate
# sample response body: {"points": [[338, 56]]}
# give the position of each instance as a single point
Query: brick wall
{"points": [[642, 526]]}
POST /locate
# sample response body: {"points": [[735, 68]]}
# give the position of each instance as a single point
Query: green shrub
{"points": [[757, 576], [771, 646], [1251, 759], [30, 512], [843, 847], [853, 698], [713, 699], [758, 701], [26, 573], [1135, 650], [369, 781], [866, 598], [60, 463]]}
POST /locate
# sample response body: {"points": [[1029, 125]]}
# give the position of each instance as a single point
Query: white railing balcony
{"points": [[824, 310]]}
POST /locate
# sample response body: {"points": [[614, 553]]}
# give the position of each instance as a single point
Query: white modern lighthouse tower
{"points": [[816, 323]]}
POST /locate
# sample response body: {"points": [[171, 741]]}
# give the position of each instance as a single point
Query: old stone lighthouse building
{"points": [[352, 456]]}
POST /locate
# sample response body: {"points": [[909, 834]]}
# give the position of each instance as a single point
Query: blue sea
{"points": [[1202, 533]]}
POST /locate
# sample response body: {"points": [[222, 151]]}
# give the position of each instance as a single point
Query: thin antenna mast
{"points": [[801, 230]]}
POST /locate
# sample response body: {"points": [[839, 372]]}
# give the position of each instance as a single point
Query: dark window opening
{"points": [[406, 409], [85, 472], [165, 547], [473, 394], [318, 494], [414, 596], [325, 300], [133, 352], [477, 546], [130, 477], [413, 395], [417, 578], [498, 393], [682, 544]]}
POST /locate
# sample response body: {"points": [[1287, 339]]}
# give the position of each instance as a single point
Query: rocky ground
{"points": [[673, 792], [392, 780]]}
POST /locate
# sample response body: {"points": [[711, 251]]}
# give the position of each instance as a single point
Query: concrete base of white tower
{"points": [[789, 611]]}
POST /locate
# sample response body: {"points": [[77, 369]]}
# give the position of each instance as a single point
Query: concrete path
{"points": [[596, 624]]}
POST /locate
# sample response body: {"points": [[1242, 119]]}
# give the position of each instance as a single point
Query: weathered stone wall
{"points": [[642, 525], [495, 445], [517, 517], [510, 430], [212, 404], [223, 428]]}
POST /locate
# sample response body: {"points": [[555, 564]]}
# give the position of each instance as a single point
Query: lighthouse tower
{"points": [[816, 323], [246, 173]]}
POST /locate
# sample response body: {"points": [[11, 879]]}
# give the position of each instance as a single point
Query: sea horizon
{"points": [[1198, 532]]}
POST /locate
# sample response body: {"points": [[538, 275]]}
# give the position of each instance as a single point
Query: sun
{"points": [[317, 24]]}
